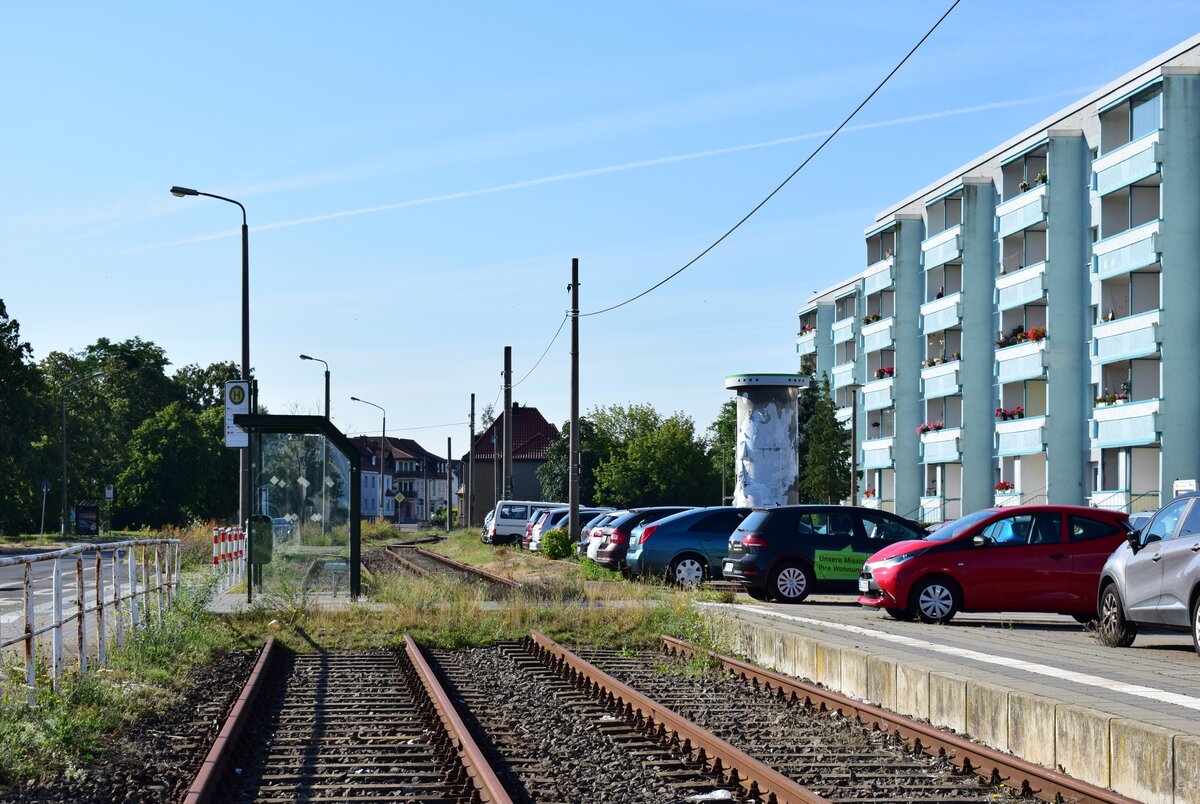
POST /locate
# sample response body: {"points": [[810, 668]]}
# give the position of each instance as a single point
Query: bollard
{"points": [[216, 541]]}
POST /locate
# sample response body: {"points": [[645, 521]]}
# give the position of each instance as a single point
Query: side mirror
{"points": [[1135, 540], [980, 541]]}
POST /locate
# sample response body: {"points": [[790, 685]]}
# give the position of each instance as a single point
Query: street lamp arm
{"points": [[67, 385], [319, 360]]}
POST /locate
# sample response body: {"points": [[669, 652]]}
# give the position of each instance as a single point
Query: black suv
{"points": [[788, 552]]}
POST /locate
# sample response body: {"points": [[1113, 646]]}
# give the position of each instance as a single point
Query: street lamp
{"points": [[244, 452], [382, 437], [853, 388], [324, 448], [319, 360], [62, 402]]}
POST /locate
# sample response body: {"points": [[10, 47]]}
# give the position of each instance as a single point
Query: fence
{"points": [[113, 608], [229, 556]]}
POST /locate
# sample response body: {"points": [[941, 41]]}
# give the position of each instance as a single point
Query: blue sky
{"points": [[419, 176]]}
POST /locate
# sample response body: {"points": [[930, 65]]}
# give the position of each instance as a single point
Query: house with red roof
{"points": [[532, 436]]}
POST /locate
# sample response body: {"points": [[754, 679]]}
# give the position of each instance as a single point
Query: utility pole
{"points": [[508, 424], [449, 487], [573, 483], [469, 471]]}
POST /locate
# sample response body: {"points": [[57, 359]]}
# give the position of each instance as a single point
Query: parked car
{"points": [[510, 518], [558, 519], [1140, 519], [282, 528], [615, 540], [684, 548], [535, 524], [593, 534], [1153, 579], [786, 553], [1044, 558]]}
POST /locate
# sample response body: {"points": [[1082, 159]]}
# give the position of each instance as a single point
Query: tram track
{"points": [[428, 564]]}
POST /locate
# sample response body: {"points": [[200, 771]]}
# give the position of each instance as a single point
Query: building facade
{"points": [[1025, 328], [414, 480]]}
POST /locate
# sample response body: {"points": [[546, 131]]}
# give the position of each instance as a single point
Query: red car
{"points": [[1044, 558]]}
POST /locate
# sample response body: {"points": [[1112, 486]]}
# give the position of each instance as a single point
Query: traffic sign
{"points": [[237, 400]]}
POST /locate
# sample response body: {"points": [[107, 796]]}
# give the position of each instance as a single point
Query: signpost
{"points": [[237, 400], [45, 488]]}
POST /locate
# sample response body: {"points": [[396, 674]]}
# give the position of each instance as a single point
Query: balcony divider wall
{"points": [[979, 261], [906, 447]]}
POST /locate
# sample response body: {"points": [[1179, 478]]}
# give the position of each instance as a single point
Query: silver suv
{"points": [[1154, 579]]}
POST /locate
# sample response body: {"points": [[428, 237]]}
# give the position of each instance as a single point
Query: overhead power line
{"points": [[544, 351], [783, 183]]}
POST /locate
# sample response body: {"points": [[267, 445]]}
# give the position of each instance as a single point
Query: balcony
{"points": [[878, 335], [1007, 499], [1021, 436], [877, 395], [1132, 249], [1021, 287], [843, 375], [939, 381], [1022, 211], [843, 415], [1127, 164], [1025, 361], [877, 453], [937, 509], [843, 330], [941, 314], [1126, 338], [941, 446], [879, 276], [870, 502], [806, 344], [1131, 424], [942, 247]]}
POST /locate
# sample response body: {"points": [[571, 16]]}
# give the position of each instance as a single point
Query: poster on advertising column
{"points": [[237, 400]]}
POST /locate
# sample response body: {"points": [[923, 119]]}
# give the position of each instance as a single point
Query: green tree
{"points": [[722, 438], [205, 387], [806, 403], [24, 419], [660, 465], [554, 474], [163, 473], [826, 477]]}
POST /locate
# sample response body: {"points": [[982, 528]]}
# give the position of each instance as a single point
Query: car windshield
{"points": [[755, 521], [958, 526]]}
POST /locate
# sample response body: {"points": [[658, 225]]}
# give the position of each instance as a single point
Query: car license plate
{"points": [[728, 566], [864, 585]]}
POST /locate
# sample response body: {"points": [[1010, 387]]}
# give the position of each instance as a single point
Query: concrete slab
{"points": [[1031, 721], [912, 691], [1142, 758], [1186, 766], [881, 682], [987, 714], [1081, 743], [948, 702]]}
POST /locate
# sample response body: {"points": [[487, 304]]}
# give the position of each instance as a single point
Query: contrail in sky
{"points": [[600, 171]]}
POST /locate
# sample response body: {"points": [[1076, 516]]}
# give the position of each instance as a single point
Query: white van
{"points": [[511, 516]]}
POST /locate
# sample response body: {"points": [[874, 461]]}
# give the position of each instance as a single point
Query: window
{"points": [[1145, 116], [1191, 524], [1084, 529], [1024, 529], [823, 524], [721, 522], [514, 512], [1163, 526], [878, 526]]}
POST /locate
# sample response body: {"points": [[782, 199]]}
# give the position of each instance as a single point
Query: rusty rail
{"points": [[759, 780], [208, 780], [449, 562], [993, 765], [483, 778]]}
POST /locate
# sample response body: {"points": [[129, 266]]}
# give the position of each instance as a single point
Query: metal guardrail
{"points": [[112, 608]]}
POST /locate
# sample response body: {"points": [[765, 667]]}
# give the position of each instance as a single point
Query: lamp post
{"points": [[324, 449], [62, 403], [382, 437], [244, 452], [853, 388]]}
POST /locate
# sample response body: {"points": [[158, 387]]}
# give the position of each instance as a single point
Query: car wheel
{"points": [[755, 593], [937, 601], [1196, 625], [1084, 619], [790, 583], [1115, 631], [688, 572], [899, 614]]}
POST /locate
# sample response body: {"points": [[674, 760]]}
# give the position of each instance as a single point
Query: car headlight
{"points": [[893, 561]]}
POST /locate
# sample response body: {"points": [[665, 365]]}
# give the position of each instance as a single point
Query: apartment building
{"points": [[1025, 329]]}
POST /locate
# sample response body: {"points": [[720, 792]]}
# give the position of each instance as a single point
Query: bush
{"points": [[438, 519], [557, 544]]}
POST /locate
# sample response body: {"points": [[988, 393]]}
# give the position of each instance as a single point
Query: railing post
{"points": [[145, 586], [133, 591], [30, 671], [80, 609], [56, 660], [101, 653], [116, 571], [158, 589]]}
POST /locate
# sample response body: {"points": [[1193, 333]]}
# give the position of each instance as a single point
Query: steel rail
{"points": [[206, 786], [761, 781], [483, 778], [449, 562], [995, 766]]}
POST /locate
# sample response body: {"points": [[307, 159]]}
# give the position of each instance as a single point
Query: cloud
{"points": [[609, 169]]}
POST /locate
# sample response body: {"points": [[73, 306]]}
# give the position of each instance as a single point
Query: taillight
{"points": [[646, 531], [754, 540], [617, 537]]}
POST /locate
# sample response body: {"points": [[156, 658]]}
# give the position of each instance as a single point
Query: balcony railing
{"points": [[1123, 500], [936, 509], [1021, 287], [1021, 436], [1127, 251], [843, 375], [1022, 211], [942, 247], [1127, 164], [879, 276], [1007, 499], [877, 395], [806, 343], [1024, 361], [877, 453], [942, 313], [941, 446], [941, 380], [1130, 424], [843, 330], [1126, 338], [878, 335]]}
